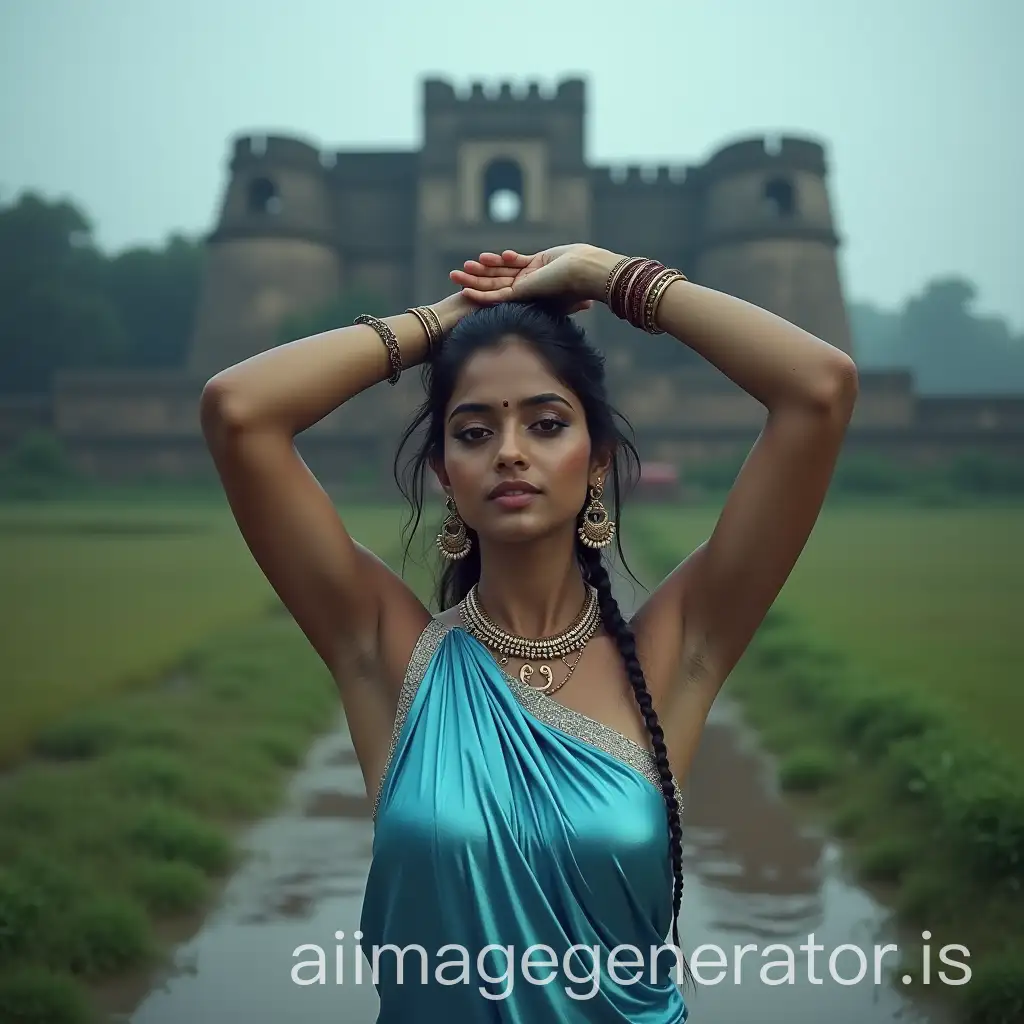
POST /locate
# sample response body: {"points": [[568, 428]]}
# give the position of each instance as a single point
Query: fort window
{"points": [[503, 191], [263, 196], [780, 197]]}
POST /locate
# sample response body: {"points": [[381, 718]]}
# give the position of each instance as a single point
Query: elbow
{"points": [[835, 396], [220, 411]]}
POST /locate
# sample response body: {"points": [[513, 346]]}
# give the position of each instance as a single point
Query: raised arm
{"points": [[699, 621], [343, 597]]}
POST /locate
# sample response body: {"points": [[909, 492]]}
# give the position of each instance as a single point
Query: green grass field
{"points": [[124, 815], [887, 681], [925, 598], [98, 596], [152, 702]]}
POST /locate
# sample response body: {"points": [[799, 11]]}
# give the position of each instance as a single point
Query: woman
{"points": [[523, 749]]}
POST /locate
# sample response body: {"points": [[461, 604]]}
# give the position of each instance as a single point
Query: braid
{"points": [[619, 630]]}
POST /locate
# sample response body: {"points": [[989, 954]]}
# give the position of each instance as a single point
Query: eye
{"points": [[550, 425], [470, 434]]}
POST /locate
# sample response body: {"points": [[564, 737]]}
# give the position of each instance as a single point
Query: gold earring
{"points": [[453, 541], [597, 529]]}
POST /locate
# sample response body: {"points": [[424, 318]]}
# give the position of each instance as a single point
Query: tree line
{"points": [[64, 304]]}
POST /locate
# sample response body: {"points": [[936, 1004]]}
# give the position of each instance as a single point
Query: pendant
{"points": [[526, 674]]}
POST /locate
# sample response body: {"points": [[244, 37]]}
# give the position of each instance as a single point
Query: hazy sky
{"points": [[127, 106]]}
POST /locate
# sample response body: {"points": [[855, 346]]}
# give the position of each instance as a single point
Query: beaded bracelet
{"points": [[390, 342], [635, 288]]}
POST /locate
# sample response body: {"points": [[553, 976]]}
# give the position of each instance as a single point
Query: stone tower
{"points": [[766, 233], [273, 252], [503, 170]]}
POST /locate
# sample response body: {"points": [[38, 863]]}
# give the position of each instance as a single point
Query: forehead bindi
{"points": [[509, 387]]}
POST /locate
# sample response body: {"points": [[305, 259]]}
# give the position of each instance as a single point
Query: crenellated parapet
{"points": [[766, 153], [638, 177], [531, 95], [252, 150]]}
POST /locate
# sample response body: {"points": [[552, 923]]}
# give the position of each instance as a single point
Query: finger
{"points": [[508, 258], [482, 270], [487, 298], [480, 282], [511, 258]]}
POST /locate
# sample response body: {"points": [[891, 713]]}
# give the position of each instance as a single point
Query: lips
{"points": [[512, 488]]}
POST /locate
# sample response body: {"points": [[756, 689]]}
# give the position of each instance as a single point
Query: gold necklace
{"points": [[548, 648]]}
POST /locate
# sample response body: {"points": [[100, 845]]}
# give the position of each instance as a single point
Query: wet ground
{"points": [[754, 877]]}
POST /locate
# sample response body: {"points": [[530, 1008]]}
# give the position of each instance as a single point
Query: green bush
{"points": [[37, 995], [873, 719], [168, 833], [981, 473], [886, 860], [849, 819], [22, 908], [995, 993], [104, 934], [147, 773], [168, 886], [807, 770], [37, 467], [923, 897], [974, 797], [869, 474], [83, 736]]}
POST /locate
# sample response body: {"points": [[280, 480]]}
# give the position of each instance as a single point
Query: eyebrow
{"points": [[544, 399]]}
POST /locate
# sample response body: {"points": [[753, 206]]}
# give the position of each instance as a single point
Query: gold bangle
{"points": [[390, 343], [436, 321], [430, 324]]}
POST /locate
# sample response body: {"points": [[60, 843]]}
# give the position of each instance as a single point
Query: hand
{"points": [[572, 275], [452, 308]]}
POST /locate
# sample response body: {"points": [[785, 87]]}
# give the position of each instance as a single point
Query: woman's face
{"points": [[509, 422]]}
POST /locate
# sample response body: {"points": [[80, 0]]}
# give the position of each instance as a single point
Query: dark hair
{"points": [[562, 344]]}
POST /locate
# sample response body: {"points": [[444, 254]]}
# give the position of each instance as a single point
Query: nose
{"points": [[510, 450]]}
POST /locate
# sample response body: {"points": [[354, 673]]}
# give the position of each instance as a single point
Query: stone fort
{"points": [[300, 226]]}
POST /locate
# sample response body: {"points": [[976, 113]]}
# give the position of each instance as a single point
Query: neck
{"points": [[532, 590]]}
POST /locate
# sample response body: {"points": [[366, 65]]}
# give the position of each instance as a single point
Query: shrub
{"points": [[37, 995], [83, 736], [973, 796], [103, 935], [886, 860], [21, 911], [168, 886], [171, 834], [807, 770], [995, 993], [149, 773], [872, 719]]}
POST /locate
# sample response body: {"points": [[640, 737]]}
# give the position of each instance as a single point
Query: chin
{"points": [[516, 527]]}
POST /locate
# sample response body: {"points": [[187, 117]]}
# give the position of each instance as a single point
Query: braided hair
{"points": [[562, 343]]}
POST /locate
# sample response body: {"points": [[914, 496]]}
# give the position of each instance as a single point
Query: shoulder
{"points": [[450, 617]]}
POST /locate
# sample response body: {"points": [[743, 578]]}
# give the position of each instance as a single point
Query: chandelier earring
{"points": [[597, 528], [453, 541]]}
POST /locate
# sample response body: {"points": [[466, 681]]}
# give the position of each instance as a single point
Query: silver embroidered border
{"points": [[589, 730], [545, 709], [423, 650]]}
